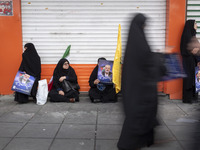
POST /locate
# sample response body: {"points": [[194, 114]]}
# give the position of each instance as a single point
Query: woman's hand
{"points": [[61, 93], [96, 81], [195, 51], [62, 78]]}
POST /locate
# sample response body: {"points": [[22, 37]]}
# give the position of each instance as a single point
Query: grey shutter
{"points": [[89, 26]]}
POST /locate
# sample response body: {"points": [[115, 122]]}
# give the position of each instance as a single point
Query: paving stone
{"points": [[110, 117], [76, 131], [39, 130], [162, 133], [181, 121], [88, 126], [4, 142], [106, 145], [170, 112], [20, 116], [10, 129], [72, 144], [48, 117], [108, 132], [81, 117], [27, 107], [188, 132], [190, 145], [56, 107], [29, 144]]}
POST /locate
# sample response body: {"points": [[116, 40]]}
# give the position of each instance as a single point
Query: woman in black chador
{"points": [[139, 89], [100, 92], [31, 65], [63, 71], [189, 62]]}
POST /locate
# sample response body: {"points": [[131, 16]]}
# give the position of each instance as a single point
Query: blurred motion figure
{"points": [[141, 70]]}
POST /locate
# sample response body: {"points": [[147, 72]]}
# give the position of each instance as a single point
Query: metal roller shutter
{"points": [[89, 26], [193, 12]]}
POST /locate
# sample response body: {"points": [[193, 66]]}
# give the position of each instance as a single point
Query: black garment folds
{"points": [[30, 64], [189, 62], [139, 89], [57, 85], [105, 96]]}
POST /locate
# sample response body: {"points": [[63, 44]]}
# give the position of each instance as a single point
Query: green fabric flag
{"points": [[67, 52]]}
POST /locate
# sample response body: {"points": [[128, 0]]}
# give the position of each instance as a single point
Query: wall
{"points": [[10, 47], [175, 17]]}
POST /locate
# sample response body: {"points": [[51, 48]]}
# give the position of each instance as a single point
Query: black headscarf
{"points": [[31, 63], [59, 71], [188, 33]]}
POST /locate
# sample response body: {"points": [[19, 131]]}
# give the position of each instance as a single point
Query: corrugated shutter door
{"points": [[193, 12], [89, 26]]}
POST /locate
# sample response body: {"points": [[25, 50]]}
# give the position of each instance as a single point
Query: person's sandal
{"points": [[72, 100]]}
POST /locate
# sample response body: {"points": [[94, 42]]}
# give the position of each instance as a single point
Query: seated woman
{"points": [[100, 92], [31, 65], [63, 71]]}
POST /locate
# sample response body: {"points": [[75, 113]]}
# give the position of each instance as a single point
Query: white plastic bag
{"points": [[42, 92]]}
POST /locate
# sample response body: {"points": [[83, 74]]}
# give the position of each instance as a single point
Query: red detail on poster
{"points": [[6, 7]]}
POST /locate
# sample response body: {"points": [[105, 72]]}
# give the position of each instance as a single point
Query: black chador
{"points": [[189, 62], [70, 75], [31, 65], [139, 89], [100, 92]]}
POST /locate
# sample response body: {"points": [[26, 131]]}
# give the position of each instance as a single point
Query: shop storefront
{"points": [[90, 27]]}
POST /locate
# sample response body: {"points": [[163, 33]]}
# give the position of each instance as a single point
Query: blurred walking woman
{"points": [[31, 65], [63, 71], [189, 62], [139, 89]]}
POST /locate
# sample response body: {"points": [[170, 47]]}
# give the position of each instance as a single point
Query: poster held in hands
{"points": [[105, 71]]}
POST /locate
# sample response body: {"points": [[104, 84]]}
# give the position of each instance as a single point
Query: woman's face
{"points": [[66, 65], [25, 48], [195, 25]]}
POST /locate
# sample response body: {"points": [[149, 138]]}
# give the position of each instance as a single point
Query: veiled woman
{"points": [[100, 92], [31, 65], [139, 89], [63, 71], [189, 62]]}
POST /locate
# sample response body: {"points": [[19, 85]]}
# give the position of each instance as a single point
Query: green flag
{"points": [[67, 52]]}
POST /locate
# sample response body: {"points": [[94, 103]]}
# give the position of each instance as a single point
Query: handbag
{"points": [[66, 86], [75, 86]]}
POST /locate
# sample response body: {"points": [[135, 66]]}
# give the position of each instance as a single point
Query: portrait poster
{"points": [[174, 68], [23, 83], [197, 79], [6, 7], [105, 71]]}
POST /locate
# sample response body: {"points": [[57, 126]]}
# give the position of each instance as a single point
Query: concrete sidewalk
{"points": [[88, 126]]}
